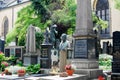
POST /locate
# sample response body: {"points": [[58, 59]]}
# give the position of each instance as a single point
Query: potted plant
{"points": [[21, 72], [70, 69]]}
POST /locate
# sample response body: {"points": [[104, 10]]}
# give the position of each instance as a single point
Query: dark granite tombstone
{"points": [[2, 42], [18, 52], [45, 59], [83, 47], [104, 47], [7, 52], [116, 56]]}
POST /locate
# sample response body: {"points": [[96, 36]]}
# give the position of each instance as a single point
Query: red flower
{"points": [[1, 52], [68, 67], [5, 63]]}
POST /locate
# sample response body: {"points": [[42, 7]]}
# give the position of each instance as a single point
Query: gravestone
{"points": [[16, 51], [45, 59], [84, 47], [116, 56], [30, 57], [7, 52], [2, 42]]}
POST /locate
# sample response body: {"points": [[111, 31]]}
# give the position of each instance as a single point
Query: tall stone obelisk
{"points": [[84, 47]]}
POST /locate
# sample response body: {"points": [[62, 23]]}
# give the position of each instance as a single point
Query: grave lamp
{"points": [[69, 53]]}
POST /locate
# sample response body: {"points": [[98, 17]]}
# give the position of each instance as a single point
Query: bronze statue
{"points": [[52, 34]]}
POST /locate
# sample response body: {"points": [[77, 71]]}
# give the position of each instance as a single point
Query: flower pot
{"points": [[21, 74], [70, 72]]}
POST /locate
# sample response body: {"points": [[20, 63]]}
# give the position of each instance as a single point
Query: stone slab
{"points": [[57, 77], [115, 76], [15, 76], [91, 73]]}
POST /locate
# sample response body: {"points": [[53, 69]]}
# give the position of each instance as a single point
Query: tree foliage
{"points": [[117, 4], [97, 21], [43, 13], [26, 16], [43, 8]]}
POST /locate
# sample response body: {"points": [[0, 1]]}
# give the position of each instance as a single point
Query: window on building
{"points": [[102, 11]]}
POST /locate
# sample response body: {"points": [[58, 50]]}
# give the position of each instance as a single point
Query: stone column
{"points": [[84, 24], [30, 43], [84, 47]]}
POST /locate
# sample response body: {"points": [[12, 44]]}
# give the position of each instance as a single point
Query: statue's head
{"points": [[63, 37], [53, 28]]}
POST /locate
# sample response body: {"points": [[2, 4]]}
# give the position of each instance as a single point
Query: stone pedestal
{"points": [[30, 59], [87, 67]]}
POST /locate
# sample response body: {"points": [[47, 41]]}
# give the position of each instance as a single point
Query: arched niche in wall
{"points": [[5, 26]]}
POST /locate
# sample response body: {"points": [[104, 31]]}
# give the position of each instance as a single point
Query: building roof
{"points": [[8, 3]]}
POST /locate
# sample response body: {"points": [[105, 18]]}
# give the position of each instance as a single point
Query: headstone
{"points": [[2, 42], [7, 52], [116, 56], [30, 43], [104, 47], [84, 47], [30, 57], [45, 59], [16, 51]]}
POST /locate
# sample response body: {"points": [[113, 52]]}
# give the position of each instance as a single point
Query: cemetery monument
{"points": [[84, 47], [30, 57]]}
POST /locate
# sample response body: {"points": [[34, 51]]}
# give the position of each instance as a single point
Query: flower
{"points": [[4, 64], [70, 67]]}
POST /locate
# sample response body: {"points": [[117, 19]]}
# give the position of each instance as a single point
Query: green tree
{"points": [[43, 13], [117, 4], [43, 8]]}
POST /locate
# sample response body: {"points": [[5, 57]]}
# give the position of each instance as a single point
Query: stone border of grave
{"points": [[15, 77]]}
